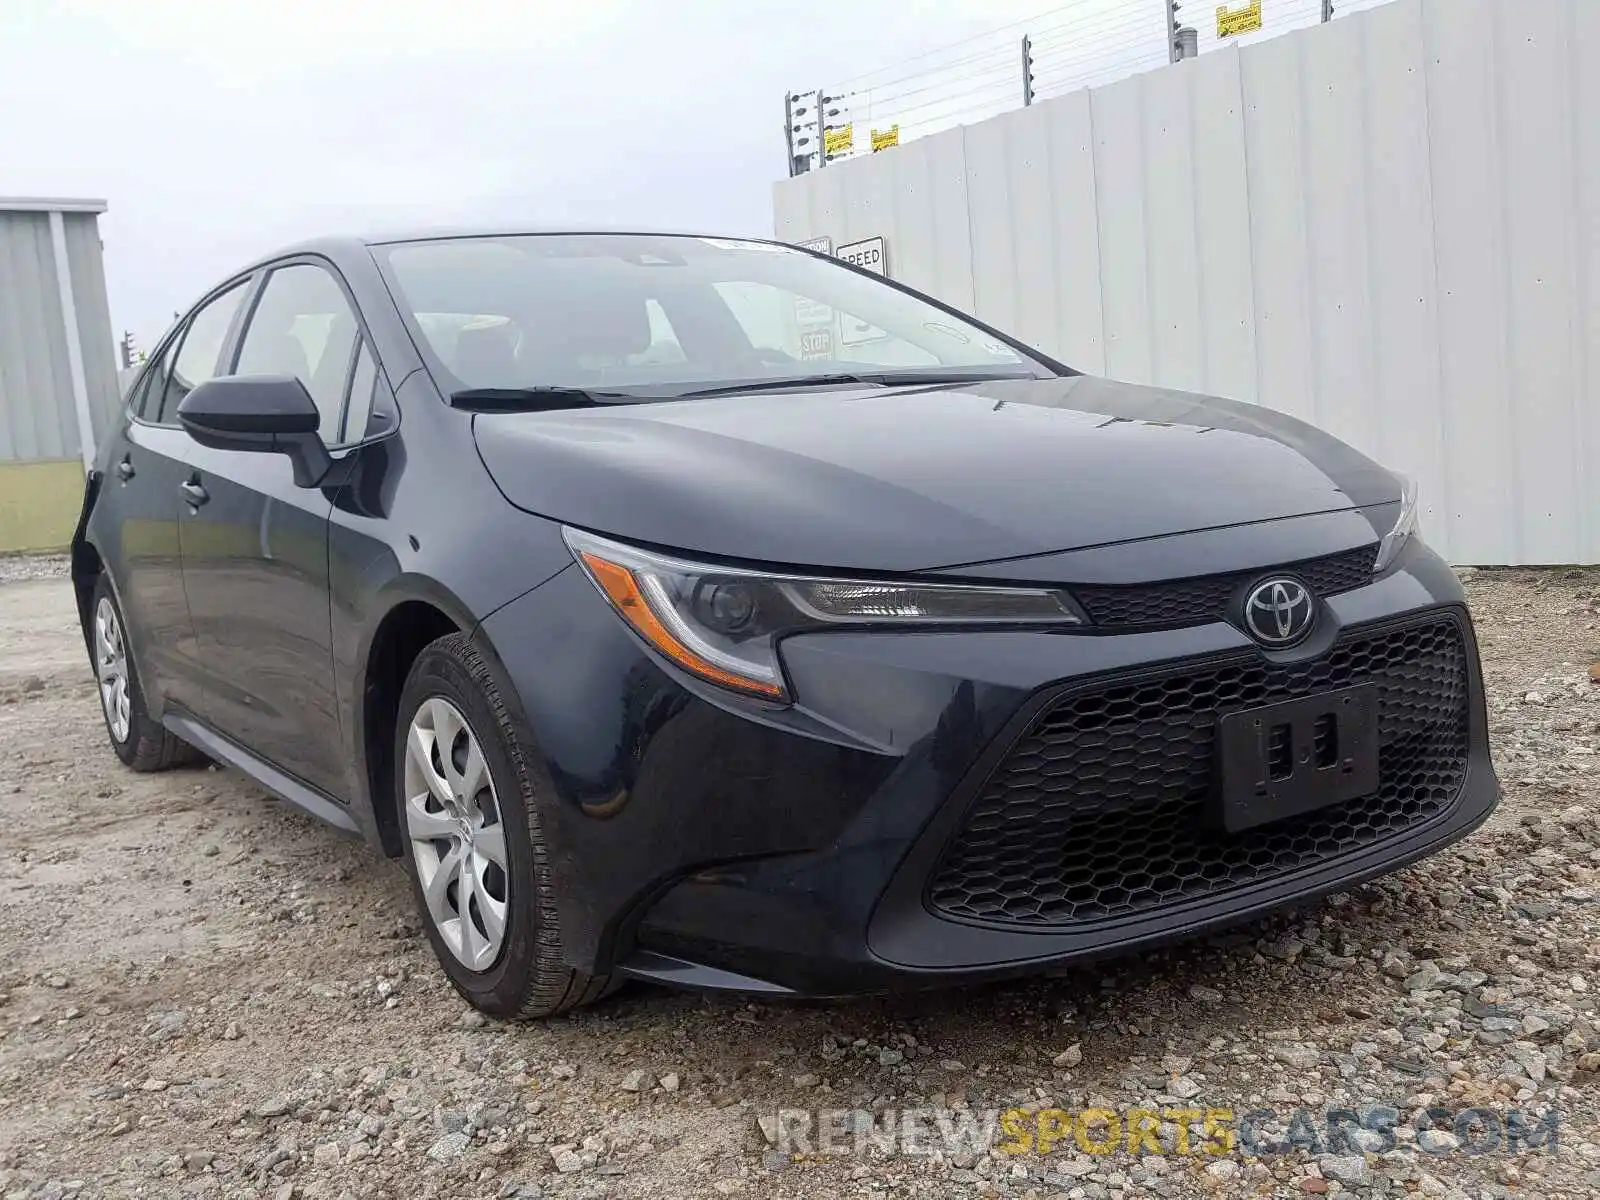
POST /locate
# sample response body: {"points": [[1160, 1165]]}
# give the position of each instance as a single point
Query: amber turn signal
{"points": [[622, 589]]}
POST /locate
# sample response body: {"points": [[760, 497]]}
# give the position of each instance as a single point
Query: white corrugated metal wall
{"points": [[1389, 225], [86, 262], [38, 400]]}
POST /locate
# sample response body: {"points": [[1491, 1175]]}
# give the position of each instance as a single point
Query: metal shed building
{"points": [[58, 385]]}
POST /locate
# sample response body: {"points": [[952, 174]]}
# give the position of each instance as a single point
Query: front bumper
{"points": [[706, 840]]}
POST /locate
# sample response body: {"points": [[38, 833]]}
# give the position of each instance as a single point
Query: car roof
{"points": [[335, 246]]}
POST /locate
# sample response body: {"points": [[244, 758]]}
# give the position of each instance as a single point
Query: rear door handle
{"points": [[125, 469], [194, 493]]}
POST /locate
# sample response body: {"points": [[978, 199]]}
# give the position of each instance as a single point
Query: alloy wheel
{"points": [[111, 668], [457, 840]]}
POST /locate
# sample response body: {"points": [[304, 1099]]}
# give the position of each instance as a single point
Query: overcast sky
{"points": [[219, 129]]}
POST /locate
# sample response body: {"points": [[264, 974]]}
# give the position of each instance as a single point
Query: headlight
{"points": [[1395, 540], [723, 624]]}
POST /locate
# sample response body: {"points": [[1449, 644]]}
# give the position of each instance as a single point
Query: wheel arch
{"points": [[416, 613], [87, 566], [85, 562]]}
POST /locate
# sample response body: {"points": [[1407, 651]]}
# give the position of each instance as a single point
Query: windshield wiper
{"points": [[869, 378], [544, 398], [551, 397]]}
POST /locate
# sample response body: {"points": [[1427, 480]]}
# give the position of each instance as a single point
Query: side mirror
{"points": [[271, 414]]}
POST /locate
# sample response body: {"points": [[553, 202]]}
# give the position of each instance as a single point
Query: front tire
{"points": [[465, 788], [140, 741]]}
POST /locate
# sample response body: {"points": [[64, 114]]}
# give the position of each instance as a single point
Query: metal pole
{"points": [[1027, 71], [788, 128], [1172, 30], [1327, 11], [822, 128]]}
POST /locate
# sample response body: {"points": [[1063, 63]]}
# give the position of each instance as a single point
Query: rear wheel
{"points": [[140, 741], [477, 857]]}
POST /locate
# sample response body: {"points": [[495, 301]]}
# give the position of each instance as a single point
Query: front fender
{"points": [[645, 777]]}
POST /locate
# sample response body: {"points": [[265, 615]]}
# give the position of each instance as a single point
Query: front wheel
{"points": [[476, 855]]}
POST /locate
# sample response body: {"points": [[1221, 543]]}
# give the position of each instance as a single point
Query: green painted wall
{"points": [[39, 504]]}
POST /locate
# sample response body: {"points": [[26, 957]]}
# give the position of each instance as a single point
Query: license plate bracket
{"points": [[1281, 760]]}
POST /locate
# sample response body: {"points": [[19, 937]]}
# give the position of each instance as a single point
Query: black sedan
{"points": [[710, 611]]}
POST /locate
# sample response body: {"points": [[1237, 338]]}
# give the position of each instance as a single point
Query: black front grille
{"points": [[1205, 598], [1104, 808]]}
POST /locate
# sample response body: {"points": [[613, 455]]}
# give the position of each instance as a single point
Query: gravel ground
{"points": [[204, 993], [18, 568]]}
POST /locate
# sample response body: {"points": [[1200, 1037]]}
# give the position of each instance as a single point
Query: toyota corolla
{"points": [[711, 611]]}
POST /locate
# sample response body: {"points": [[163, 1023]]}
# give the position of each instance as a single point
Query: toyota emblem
{"points": [[1279, 612]]}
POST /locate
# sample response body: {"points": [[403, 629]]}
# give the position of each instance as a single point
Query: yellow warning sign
{"points": [[1231, 23], [837, 141], [882, 139]]}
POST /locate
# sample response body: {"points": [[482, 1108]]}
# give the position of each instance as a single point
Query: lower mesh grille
{"points": [[1104, 808]]}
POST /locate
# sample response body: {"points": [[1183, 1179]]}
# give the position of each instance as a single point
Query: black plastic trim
{"points": [[907, 934], [680, 972], [279, 783]]}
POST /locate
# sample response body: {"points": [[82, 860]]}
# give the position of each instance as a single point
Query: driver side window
{"points": [[303, 326]]}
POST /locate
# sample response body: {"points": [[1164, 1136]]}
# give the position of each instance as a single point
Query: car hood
{"points": [[908, 479]]}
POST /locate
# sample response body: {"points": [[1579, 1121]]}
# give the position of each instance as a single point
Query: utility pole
{"points": [[1327, 11], [1027, 71], [789, 133], [804, 118], [825, 112], [1182, 41], [788, 128]]}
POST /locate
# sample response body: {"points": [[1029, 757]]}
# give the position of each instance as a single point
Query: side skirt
{"points": [[285, 787]]}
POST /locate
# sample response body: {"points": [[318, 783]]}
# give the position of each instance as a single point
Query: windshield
{"points": [[668, 315]]}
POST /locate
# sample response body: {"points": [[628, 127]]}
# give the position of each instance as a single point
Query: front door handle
{"points": [[125, 469], [194, 493]]}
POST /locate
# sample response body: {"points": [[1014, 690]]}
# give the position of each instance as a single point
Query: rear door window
{"points": [[198, 351], [141, 389], [159, 377]]}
